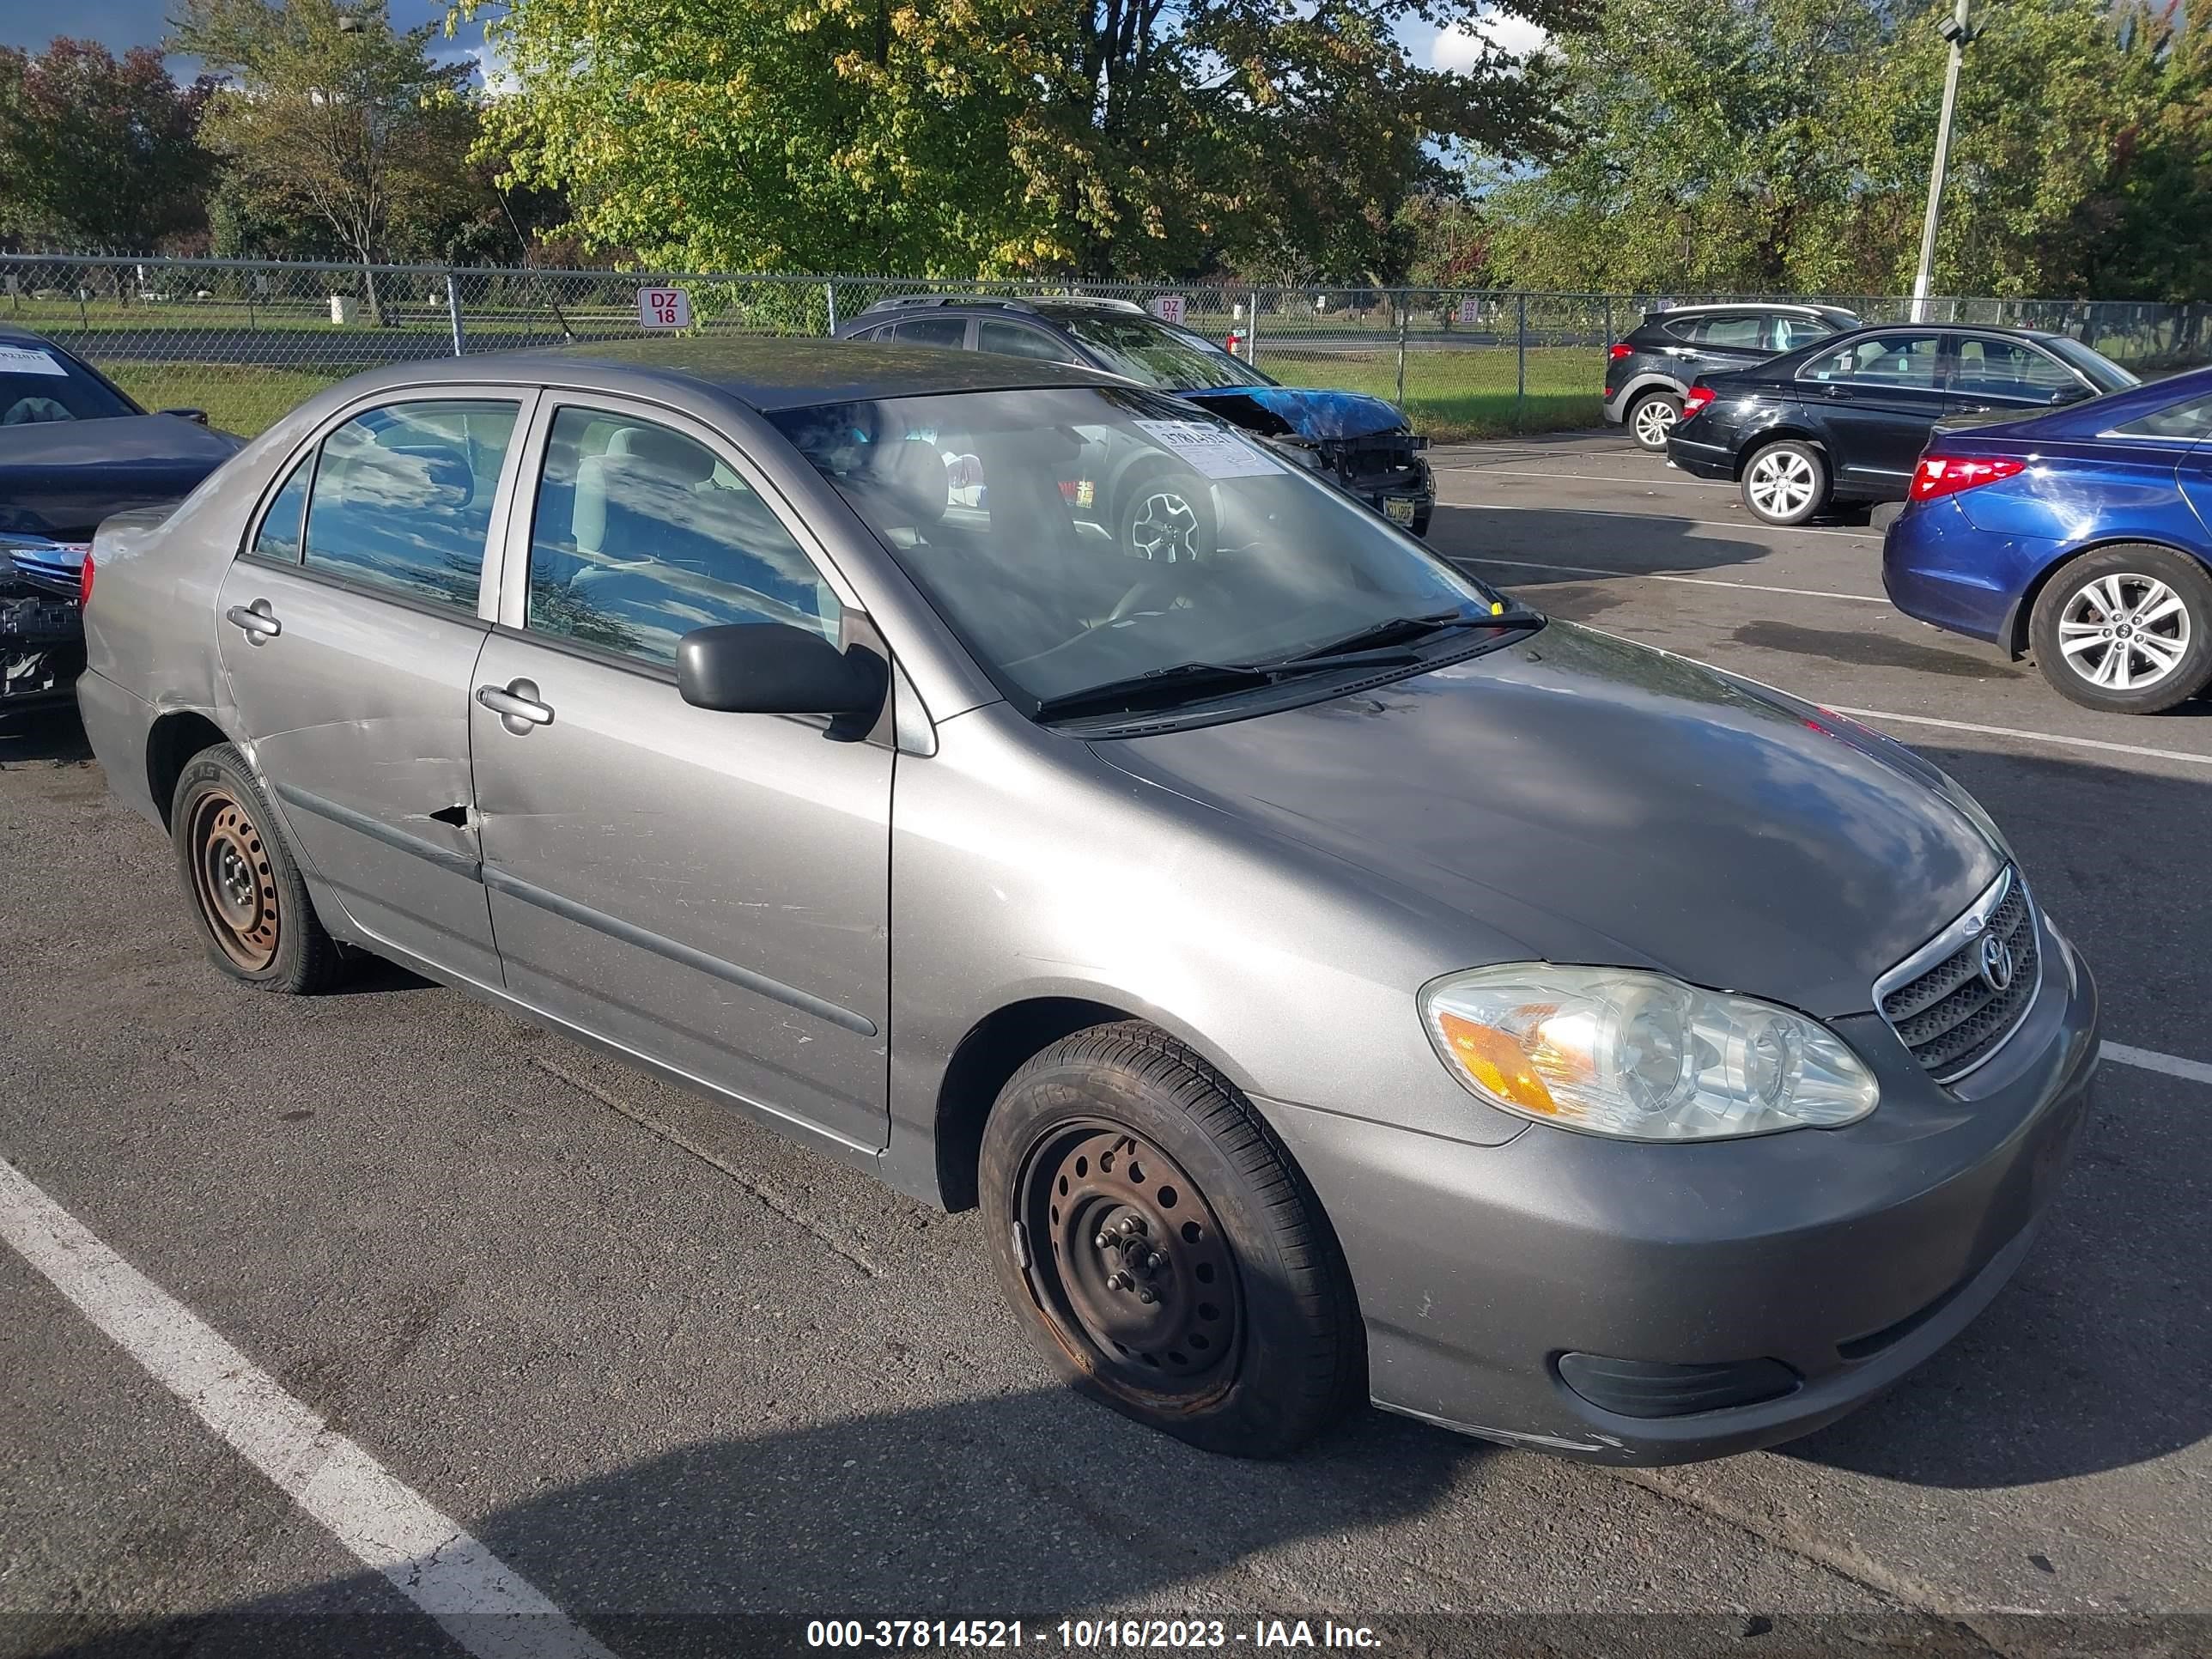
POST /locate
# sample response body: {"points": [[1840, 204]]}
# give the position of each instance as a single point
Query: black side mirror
{"points": [[2070, 394], [774, 668], [196, 414]]}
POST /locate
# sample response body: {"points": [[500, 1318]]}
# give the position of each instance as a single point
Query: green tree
{"points": [[330, 117], [98, 151], [964, 137]]}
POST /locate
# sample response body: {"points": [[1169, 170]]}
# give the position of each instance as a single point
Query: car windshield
{"points": [[1154, 353], [1075, 537], [39, 383], [2103, 372]]}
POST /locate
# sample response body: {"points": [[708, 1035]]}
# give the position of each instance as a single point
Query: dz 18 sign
{"points": [[663, 308]]}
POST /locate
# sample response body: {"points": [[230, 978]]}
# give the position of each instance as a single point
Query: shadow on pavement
{"points": [[1493, 545], [51, 733]]}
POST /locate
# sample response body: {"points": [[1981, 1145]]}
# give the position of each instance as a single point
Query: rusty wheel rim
{"points": [[1139, 1274], [233, 882]]}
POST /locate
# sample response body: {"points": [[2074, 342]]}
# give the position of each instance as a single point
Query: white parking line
{"points": [[2030, 737], [1582, 478], [483, 1603], [1664, 576], [2151, 1060], [1670, 517]]}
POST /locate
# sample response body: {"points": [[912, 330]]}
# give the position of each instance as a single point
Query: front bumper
{"points": [[1847, 1256], [41, 648]]}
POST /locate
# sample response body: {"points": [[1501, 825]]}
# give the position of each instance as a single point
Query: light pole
{"points": [[1958, 33]]}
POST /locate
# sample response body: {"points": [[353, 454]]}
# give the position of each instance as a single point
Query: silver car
{"points": [[1331, 977]]}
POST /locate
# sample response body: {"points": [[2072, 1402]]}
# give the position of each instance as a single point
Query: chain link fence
{"points": [[245, 341]]}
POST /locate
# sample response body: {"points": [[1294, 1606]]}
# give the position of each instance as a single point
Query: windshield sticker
{"points": [[1212, 452], [28, 360]]}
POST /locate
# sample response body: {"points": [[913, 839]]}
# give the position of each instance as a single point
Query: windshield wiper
{"points": [[1403, 630], [1185, 682]]}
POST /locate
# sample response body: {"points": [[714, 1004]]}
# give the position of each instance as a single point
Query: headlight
{"points": [[1614, 1051]]}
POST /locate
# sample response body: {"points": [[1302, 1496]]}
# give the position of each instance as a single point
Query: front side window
{"points": [[1881, 360], [402, 497], [1156, 353], [39, 383], [2007, 368], [1074, 537], [2189, 421], [641, 534]]}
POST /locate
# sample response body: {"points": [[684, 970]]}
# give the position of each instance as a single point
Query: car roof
{"points": [[765, 372], [1796, 307]]}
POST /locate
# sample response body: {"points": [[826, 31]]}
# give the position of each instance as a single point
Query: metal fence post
{"points": [[1608, 322], [454, 313], [1252, 334], [1402, 309], [1520, 353], [829, 288]]}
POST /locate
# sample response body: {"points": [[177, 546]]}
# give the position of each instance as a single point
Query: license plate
{"points": [[1398, 510]]}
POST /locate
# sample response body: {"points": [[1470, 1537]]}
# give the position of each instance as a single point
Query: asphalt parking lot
{"points": [[672, 1371]]}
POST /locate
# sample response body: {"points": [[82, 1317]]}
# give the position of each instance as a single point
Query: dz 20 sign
{"points": [[663, 308]]}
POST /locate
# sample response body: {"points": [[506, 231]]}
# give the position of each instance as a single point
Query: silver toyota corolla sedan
{"points": [[1330, 977]]}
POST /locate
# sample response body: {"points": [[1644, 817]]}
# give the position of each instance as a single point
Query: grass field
{"points": [[1452, 396]]}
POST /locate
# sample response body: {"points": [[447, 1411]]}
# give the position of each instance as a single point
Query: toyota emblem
{"points": [[1996, 962]]}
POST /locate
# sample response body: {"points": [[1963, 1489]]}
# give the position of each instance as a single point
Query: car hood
{"points": [[1583, 799], [60, 478], [1275, 411]]}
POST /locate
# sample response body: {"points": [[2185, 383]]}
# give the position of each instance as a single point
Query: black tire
{"points": [[1799, 484], [1650, 418], [1166, 515], [1242, 1333], [2144, 577], [242, 882]]}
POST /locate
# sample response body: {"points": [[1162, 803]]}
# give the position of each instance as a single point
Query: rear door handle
{"points": [[516, 704], [257, 620]]}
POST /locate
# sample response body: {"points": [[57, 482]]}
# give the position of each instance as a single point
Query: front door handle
{"points": [[257, 620], [516, 704]]}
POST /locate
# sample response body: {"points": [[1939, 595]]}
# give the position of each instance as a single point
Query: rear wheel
{"points": [[1652, 417], [1167, 516], [1785, 482], [2127, 629], [251, 902], [1169, 1256]]}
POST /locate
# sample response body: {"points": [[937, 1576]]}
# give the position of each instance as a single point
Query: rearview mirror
{"points": [[774, 668]]}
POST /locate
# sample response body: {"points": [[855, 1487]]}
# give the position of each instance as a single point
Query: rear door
{"points": [[948, 332], [349, 633], [710, 890], [1876, 397], [1993, 375], [1724, 341]]}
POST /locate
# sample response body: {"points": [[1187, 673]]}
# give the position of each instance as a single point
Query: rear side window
{"points": [[2191, 420], [278, 539], [2007, 368], [402, 495], [1740, 331], [1787, 333], [1015, 340], [641, 534], [934, 332], [1898, 359]]}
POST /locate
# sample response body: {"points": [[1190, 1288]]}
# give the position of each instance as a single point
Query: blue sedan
{"points": [[2083, 537]]}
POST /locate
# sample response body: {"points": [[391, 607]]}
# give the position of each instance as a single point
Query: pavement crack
{"points": [[675, 1138], [1845, 1561]]}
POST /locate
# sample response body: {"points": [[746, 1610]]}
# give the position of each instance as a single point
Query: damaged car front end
{"points": [[1359, 443], [41, 621]]}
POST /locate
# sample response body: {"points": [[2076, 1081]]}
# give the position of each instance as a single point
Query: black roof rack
{"points": [[921, 301]]}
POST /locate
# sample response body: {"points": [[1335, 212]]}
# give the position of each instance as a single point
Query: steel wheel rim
{"points": [[1654, 419], [1781, 483], [233, 882], [1166, 528], [2124, 632], [1113, 1221]]}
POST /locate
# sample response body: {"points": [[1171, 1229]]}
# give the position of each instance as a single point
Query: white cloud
{"points": [[491, 69], [1461, 47]]}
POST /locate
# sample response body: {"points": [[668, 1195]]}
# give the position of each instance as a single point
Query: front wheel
{"points": [[1167, 1254], [1167, 516], [1785, 482], [2127, 629], [1655, 415]]}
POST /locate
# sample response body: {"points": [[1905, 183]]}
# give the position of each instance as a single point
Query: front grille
{"points": [[1950, 1012]]}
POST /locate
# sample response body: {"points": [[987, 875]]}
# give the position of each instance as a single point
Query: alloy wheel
{"points": [[2124, 632], [1654, 419], [1781, 483], [1164, 527], [233, 882], [1138, 1269]]}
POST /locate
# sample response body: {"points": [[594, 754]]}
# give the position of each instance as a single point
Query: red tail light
{"points": [[1619, 349], [1694, 402], [1947, 475], [84, 581]]}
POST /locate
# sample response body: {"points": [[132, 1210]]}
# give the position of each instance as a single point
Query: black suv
{"points": [[1844, 421], [1361, 444], [1648, 374]]}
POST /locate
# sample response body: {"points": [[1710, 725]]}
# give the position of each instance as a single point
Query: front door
{"points": [[2008, 378], [349, 635], [711, 890], [1876, 398]]}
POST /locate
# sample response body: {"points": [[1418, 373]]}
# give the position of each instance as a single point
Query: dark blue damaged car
{"points": [[1360, 444]]}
